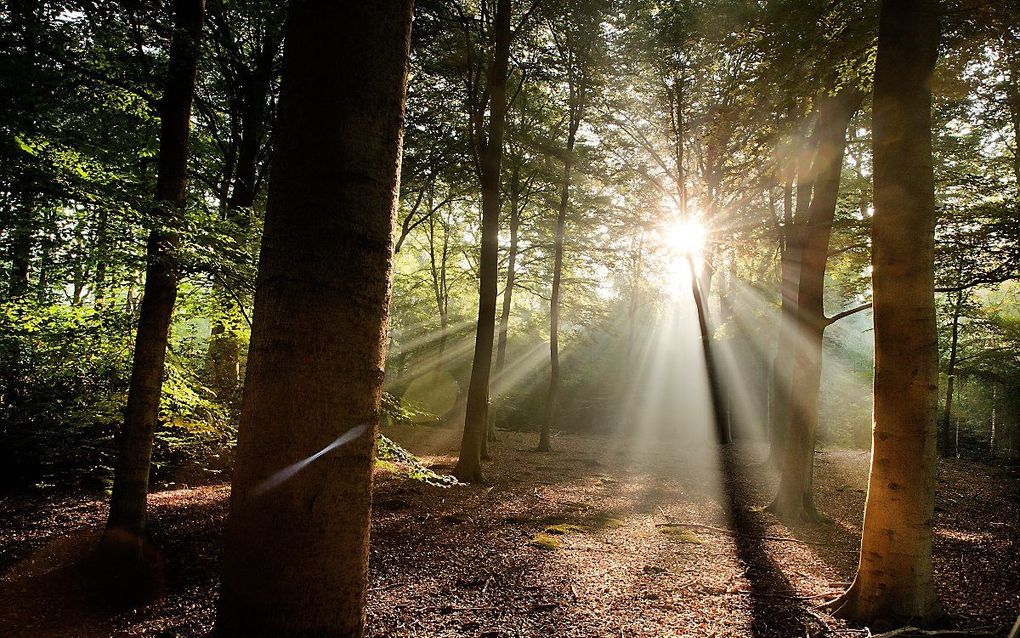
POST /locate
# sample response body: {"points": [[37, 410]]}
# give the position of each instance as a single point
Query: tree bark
{"points": [[250, 102], [946, 442], [894, 578], [794, 501], [131, 478], [715, 391], [296, 556], [782, 372], [551, 406], [511, 275], [469, 466]]}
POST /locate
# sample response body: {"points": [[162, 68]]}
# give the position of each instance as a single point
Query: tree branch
{"points": [[846, 313]]}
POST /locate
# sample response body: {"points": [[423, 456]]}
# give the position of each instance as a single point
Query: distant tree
{"points": [[296, 557], [575, 33]]}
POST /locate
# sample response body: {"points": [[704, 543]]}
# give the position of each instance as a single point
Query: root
{"points": [[468, 472]]}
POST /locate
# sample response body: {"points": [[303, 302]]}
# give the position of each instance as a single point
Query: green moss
{"points": [[603, 520], [680, 534], [546, 541], [394, 459], [563, 529]]}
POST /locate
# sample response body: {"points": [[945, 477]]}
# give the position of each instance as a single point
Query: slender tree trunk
{"points": [[894, 578], [469, 466], [296, 556], [720, 423], [131, 478], [511, 275], [945, 430], [225, 344], [782, 364], [551, 406], [101, 252], [794, 501], [27, 20], [995, 414]]}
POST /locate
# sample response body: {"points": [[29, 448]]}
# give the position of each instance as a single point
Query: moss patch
{"points": [[603, 520], [562, 529], [680, 534], [546, 541]]}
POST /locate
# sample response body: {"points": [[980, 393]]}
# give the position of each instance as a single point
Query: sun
{"points": [[686, 238], [682, 244]]}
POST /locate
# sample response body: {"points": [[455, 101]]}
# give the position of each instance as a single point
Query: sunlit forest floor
{"points": [[599, 538]]}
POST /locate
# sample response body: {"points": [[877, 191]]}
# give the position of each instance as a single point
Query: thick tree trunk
{"points": [[946, 438], [469, 466], [794, 501], [131, 478], [894, 578], [511, 276], [296, 555]]}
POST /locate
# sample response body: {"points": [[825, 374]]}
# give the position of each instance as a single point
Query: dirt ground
{"points": [[577, 542]]}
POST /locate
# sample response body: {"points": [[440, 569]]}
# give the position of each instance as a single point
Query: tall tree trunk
{"points": [[946, 442], [296, 555], [131, 478], [894, 578], [782, 364], [101, 252], [469, 466], [995, 414], [225, 344], [794, 501], [715, 391], [27, 19], [551, 406], [511, 276]]}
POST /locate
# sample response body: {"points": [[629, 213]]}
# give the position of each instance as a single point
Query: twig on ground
{"points": [[973, 632], [729, 532]]}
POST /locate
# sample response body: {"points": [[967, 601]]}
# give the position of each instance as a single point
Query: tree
{"points": [[131, 478], [575, 46], [244, 44], [794, 500], [894, 582], [297, 536], [489, 144]]}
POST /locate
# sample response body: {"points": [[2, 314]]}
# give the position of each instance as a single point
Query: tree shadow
{"points": [[776, 608], [65, 585]]}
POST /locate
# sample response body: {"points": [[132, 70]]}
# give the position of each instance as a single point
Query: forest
{"points": [[510, 318]]}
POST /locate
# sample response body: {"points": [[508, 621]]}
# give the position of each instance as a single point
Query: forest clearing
{"points": [[578, 543], [510, 318]]}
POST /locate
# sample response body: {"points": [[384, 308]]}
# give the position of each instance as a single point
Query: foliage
{"points": [[691, 110]]}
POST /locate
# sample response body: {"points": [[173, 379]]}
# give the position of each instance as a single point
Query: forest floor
{"points": [[576, 542]]}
